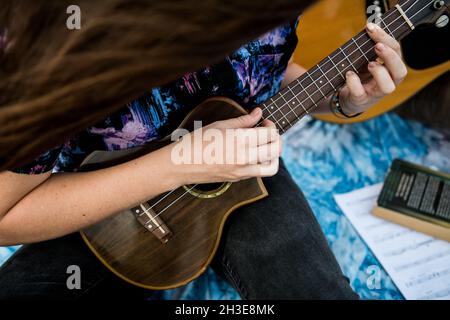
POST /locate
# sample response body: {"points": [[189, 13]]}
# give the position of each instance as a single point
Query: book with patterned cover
{"points": [[416, 197]]}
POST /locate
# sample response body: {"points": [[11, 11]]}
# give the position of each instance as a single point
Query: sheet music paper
{"points": [[418, 264]]}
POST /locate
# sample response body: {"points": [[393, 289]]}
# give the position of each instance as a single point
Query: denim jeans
{"points": [[271, 249]]}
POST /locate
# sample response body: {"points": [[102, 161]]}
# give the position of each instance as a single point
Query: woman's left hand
{"points": [[359, 95]]}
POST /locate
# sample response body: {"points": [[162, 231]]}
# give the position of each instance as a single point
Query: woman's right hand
{"points": [[229, 150]]}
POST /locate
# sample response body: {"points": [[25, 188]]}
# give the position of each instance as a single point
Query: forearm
{"points": [[294, 71], [68, 202]]}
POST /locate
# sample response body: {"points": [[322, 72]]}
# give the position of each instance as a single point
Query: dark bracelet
{"points": [[336, 108]]}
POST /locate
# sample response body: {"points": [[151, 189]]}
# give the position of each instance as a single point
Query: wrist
{"points": [[340, 108], [347, 107], [171, 175]]}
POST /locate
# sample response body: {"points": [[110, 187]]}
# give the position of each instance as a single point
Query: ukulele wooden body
{"points": [[171, 256]]}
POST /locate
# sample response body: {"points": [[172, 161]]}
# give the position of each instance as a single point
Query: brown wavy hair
{"points": [[55, 82]]}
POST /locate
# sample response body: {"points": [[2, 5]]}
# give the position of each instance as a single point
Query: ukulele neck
{"points": [[305, 93]]}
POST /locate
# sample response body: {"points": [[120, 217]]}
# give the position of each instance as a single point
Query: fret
{"points": [[306, 92], [398, 25], [278, 110], [360, 50], [268, 117], [292, 94], [335, 66], [281, 110], [264, 107], [287, 104], [313, 82], [272, 108], [369, 48], [305, 109], [295, 96], [341, 64], [277, 124], [295, 113], [273, 105], [346, 57], [289, 95], [265, 113], [326, 77], [387, 28], [292, 100]]}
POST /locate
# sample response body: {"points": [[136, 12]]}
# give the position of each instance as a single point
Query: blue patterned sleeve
{"points": [[43, 163]]}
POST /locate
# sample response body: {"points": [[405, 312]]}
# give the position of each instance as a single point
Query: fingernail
{"points": [[349, 74], [380, 46], [371, 27], [372, 64]]}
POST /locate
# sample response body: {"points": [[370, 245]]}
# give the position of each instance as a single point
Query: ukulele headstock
{"points": [[425, 12]]}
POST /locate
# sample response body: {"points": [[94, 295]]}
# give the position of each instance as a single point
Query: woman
{"points": [[292, 261]]}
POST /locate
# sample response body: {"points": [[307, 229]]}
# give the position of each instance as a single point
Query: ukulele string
{"points": [[169, 193], [146, 211], [299, 82], [166, 195], [173, 202], [326, 73], [387, 26]]}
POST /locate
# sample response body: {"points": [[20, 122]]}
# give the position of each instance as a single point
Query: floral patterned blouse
{"points": [[250, 76]]}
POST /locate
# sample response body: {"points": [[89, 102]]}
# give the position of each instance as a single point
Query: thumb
{"points": [[245, 121]]}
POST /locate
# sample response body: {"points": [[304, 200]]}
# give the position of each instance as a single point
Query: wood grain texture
{"points": [[426, 227], [329, 24], [136, 255]]}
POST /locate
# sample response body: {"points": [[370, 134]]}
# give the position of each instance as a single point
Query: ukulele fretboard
{"points": [[304, 94]]}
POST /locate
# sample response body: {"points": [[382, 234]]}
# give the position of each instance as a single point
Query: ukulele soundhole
{"points": [[207, 190]]}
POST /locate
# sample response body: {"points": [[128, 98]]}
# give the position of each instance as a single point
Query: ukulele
{"points": [[170, 240], [425, 50]]}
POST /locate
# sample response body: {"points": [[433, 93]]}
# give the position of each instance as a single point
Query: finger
{"points": [[245, 121], [269, 169], [379, 35], [384, 83], [260, 170], [274, 132], [392, 61], [357, 91], [268, 124], [266, 152], [254, 137]]}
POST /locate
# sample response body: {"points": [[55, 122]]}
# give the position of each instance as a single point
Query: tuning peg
{"points": [[438, 4], [442, 21]]}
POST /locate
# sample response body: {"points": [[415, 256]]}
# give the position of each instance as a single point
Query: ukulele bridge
{"points": [[152, 222]]}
